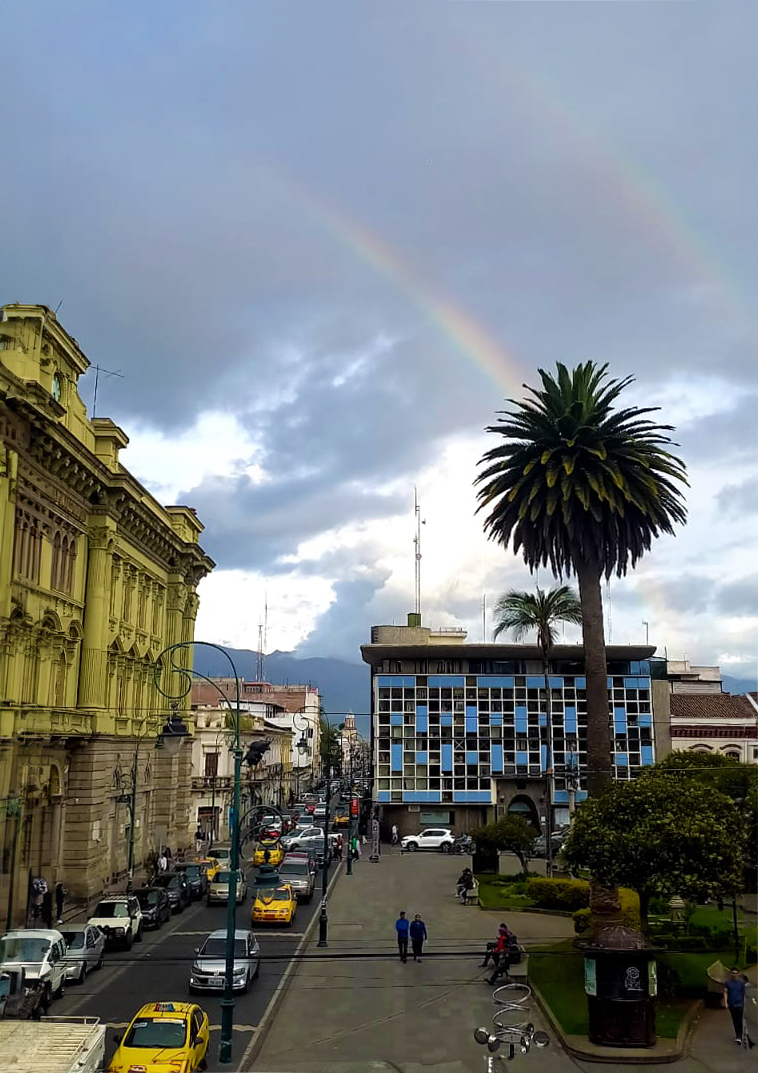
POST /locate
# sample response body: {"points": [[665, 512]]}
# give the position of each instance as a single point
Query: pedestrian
{"points": [[167, 852], [465, 882], [734, 993], [501, 956], [198, 839], [340, 844], [395, 834], [60, 895], [47, 908], [490, 950], [162, 861], [418, 936], [402, 927]]}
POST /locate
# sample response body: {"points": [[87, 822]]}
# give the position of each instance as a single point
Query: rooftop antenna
{"points": [[647, 631], [484, 618], [108, 372], [58, 307], [417, 549]]}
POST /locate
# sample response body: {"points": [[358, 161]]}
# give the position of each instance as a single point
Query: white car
{"points": [[119, 917], [440, 838], [307, 837], [41, 953]]}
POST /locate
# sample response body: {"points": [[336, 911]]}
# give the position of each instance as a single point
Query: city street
{"points": [[158, 970]]}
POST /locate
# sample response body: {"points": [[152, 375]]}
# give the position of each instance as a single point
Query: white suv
{"points": [[440, 838], [120, 917]]}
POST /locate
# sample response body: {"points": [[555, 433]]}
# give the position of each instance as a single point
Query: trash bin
{"points": [[620, 982]]}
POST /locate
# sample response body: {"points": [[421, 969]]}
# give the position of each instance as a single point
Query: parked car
{"points": [[20, 999], [120, 917], [210, 961], [218, 890], [539, 846], [297, 872], [41, 953], [308, 835], [176, 886], [439, 838], [155, 905], [197, 879], [222, 852], [85, 946], [210, 864], [162, 1036]]}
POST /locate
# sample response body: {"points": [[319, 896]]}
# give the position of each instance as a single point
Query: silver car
{"points": [[86, 944], [210, 961], [218, 888], [299, 876]]}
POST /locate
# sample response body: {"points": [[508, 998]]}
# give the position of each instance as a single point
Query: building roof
{"points": [[711, 706], [374, 652]]}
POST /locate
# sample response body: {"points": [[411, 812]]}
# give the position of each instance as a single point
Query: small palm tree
{"points": [[522, 613], [583, 487]]}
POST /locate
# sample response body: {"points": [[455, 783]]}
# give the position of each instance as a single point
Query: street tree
{"points": [[660, 836], [582, 486], [522, 613], [512, 834]]}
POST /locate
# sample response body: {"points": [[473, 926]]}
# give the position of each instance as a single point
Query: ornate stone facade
{"points": [[96, 578]]}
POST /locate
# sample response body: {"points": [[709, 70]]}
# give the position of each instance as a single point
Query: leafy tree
{"points": [[511, 833], [659, 836], [331, 746], [522, 613], [582, 486]]}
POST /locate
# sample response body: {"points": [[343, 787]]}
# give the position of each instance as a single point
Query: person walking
{"points": [[340, 846], [60, 895], [402, 927], [418, 936], [734, 993], [162, 861], [395, 836], [198, 840]]}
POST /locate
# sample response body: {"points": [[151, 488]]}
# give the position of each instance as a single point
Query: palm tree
{"points": [[520, 613], [582, 487]]}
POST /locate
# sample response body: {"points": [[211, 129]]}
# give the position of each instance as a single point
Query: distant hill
{"points": [[739, 685], [344, 687]]}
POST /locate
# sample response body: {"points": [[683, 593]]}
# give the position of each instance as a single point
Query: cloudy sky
{"points": [[324, 242]]}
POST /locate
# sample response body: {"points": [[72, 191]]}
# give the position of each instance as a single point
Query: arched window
{"points": [[61, 674]]}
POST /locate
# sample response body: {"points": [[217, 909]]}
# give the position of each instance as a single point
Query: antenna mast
{"points": [[108, 372], [417, 550]]}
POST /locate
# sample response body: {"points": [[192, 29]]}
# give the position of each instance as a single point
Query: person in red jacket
{"points": [[501, 955]]}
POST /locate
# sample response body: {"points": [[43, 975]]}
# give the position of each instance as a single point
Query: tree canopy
{"points": [[511, 833], [660, 835], [522, 613]]}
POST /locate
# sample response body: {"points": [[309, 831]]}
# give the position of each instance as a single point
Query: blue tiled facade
{"points": [[443, 738]]}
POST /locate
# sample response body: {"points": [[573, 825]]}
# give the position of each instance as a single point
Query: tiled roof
{"points": [[711, 706]]}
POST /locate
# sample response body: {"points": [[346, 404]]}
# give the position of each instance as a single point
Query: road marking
{"points": [[211, 1028], [264, 931], [279, 989]]}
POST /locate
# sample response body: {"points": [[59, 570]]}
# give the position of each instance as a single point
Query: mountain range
{"points": [[344, 687]]}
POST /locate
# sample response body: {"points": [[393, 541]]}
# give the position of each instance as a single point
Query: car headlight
{"points": [[120, 931], [239, 972]]}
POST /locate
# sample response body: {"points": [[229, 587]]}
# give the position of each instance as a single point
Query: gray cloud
{"points": [[738, 597], [742, 498]]}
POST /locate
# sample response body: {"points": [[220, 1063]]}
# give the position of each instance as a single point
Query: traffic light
{"points": [[256, 750]]}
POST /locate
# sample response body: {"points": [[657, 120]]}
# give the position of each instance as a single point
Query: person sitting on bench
{"points": [[465, 882]]}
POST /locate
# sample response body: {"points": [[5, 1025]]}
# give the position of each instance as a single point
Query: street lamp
{"points": [[170, 735]]}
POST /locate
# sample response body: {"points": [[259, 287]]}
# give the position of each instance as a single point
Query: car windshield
{"points": [[23, 948], [215, 947], [74, 939], [223, 878], [281, 895], [221, 854], [149, 1032], [111, 909], [147, 897], [294, 868], [192, 871]]}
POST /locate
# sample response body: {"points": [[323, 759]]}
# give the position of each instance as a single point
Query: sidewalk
{"points": [[358, 1007], [354, 1007]]}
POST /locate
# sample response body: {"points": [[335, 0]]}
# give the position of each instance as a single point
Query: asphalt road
{"points": [[157, 970]]}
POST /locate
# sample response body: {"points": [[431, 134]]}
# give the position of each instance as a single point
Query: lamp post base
{"points": [[323, 923], [227, 1023]]}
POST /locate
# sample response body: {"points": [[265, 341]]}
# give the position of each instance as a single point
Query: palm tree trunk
{"points": [[549, 766], [599, 763]]}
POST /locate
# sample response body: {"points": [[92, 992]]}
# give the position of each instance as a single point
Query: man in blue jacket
{"points": [[401, 927], [418, 935]]}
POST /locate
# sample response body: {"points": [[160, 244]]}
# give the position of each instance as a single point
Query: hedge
{"points": [[630, 912], [559, 893]]}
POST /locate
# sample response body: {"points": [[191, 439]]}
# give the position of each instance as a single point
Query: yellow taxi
{"points": [[341, 818], [276, 906], [211, 865], [275, 854], [164, 1037]]}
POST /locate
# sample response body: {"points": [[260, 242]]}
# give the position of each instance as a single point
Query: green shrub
{"points": [[659, 907], [582, 918], [563, 894]]}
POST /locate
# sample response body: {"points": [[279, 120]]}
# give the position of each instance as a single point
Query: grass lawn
{"points": [[692, 965], [713, 918], [498, 896], [558, 972]]}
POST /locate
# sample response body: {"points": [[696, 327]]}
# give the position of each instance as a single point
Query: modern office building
{"points": [[459, 730]]}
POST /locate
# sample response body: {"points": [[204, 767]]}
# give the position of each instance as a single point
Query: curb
{"points": [[527, 909], [573, 1045], [269, 1015]]}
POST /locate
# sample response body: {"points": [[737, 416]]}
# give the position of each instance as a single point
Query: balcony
{"points": [[207, 782]]}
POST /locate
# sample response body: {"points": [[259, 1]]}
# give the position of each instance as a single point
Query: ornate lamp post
{"points": [[183, 683]]}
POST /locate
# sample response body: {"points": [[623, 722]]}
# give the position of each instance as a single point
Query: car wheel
{"points": [[445, 847], [83, 973], [100, 962], [129, 942], [246, 987], [61, 991], [138, 936], [257, 972], [412, 846]]}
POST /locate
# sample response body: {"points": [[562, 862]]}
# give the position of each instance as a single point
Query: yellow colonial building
{"points": [[96, 578]]}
